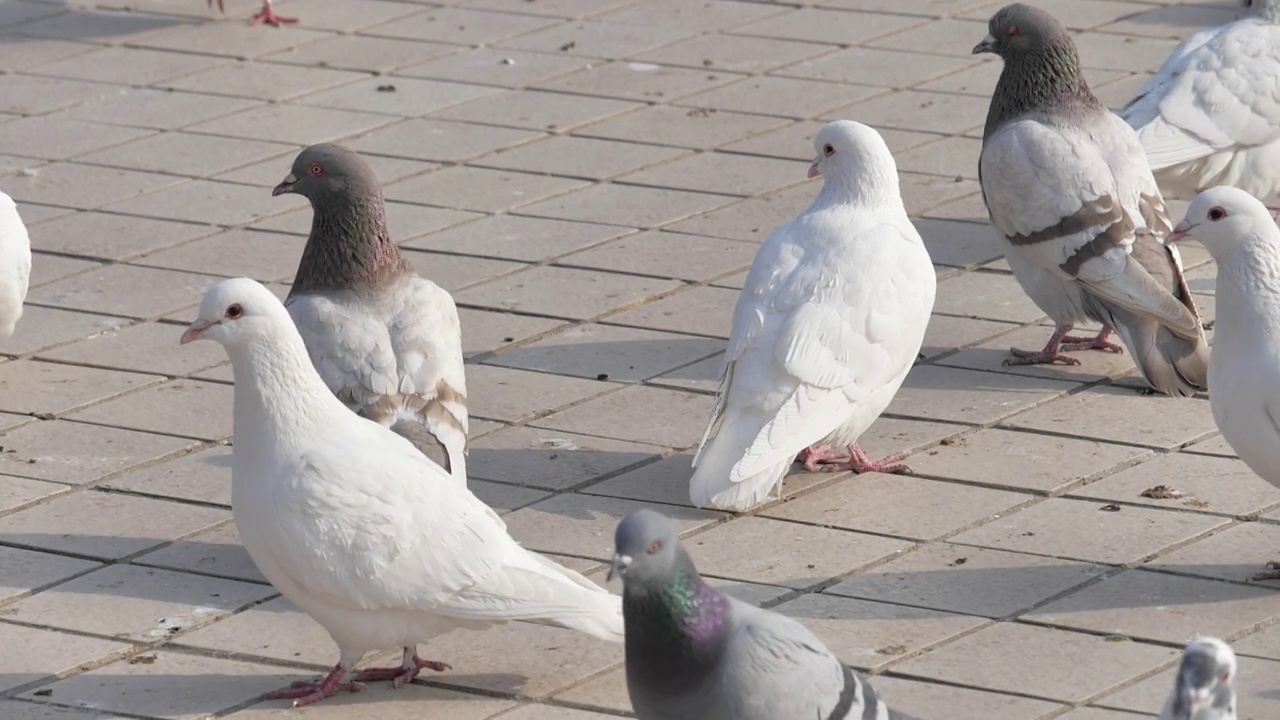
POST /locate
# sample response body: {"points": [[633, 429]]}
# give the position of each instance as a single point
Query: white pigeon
{"points": [[15, 265], [1068, 189], [1244, 370], [1205, 688], [1211, 115], [358, 528], [828, 324], [387, 342]]}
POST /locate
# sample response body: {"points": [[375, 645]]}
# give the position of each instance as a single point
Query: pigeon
{"points": [[1068, 188], [1205, 688], [1210, 115], [694, 653], [1244, 374], [828, 324], [387, 342], [354, 525], [15, 265], [266, 15]]}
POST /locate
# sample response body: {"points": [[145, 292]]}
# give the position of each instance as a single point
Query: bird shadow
{"points": [[72, 23]]}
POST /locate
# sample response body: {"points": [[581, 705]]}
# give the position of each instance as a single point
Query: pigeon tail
{"points": [[712, 484], [603, 610], [1171, 364]]}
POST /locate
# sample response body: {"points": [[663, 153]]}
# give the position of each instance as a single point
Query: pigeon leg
{"points": [[1072, 344], [856, 459], [305, 693], [814, 458], [269, 16], [1271, 573], [408, 670], [220, 8], [1046, 356]]}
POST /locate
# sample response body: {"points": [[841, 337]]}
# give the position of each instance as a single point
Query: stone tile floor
{"points": [[590, 178]]}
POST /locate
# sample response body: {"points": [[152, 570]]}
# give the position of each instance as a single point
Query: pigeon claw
{"points": [[306, 693], [268, 16], [404, 674], [1098, 342], [1038, 357], [824, 459]]}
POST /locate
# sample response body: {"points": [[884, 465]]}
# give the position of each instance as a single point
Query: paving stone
{"points": [[202, 201], [1211, 484], [128, 66], [1122, 415], [29, 387], [752, 220], [563, 292], [203, 477], [621, 354], [406, 97], [27, 571], [45, 327], [491, 331], [488, 66], [16, 492], [357, 52], [940, 393], [215, 552], [697, 128], [697, 310], [880, 68], [28, 95], [1083, 530], [785, 97], [345, 17], [1252, 686], [460, 26], [518, 237], [279, 123], [665, 254], [990, 356], [260, 81], [720, 173], [627, 205], [33, 655], [117, 287], [439, 140], [1040, 661], [60, 138], [732, 53], [260, 255], [582, 525], [1236, 553], [553, 8], [1026, 461], [1160, 607], [513, 395], [75, 453], [184, 154], [211, 685], [480, 189], [381, 702], [535, 110], [182, 407], [597, 39], [816, 25], [638, 413], [930, 700]]}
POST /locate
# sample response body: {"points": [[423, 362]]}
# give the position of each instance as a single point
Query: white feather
{"points": [[15, 265]]}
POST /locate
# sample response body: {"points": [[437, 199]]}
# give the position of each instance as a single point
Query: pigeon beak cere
{"points": [[987, 45], [619, 567], [813, 169], [1180, 232], [285, 186], [195, 331]]}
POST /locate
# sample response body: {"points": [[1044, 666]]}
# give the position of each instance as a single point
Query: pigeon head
{"points": [[852, 156], [1269, 9], [236, 312], [1223, 218], [1205, 685], [327, 172], [1018, 29], [647, 551]]}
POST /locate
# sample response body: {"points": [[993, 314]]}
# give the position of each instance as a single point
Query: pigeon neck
{"points": [[1047, 81], [349, 246], [867, 188], [1248, 288], [684, 622], [277, 392]]}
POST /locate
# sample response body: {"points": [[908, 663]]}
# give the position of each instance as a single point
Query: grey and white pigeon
{"points": [[694, 653], [15, 265], [1205, 688], [354, 525], [1210, 116], [1068, 188], [387, 342], [266, 15], [1244, 374], [829, 323]]}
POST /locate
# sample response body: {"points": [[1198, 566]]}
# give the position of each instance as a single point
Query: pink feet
{"points": [[1043, 357], [1099, 342], [399, 676], [1060, 342], [306, 693], [268, 16], [828, 460], [1271, 573]]}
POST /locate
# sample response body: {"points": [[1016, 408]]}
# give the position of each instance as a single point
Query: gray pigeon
{"points": [[387, 342], [1205, 688], [694, 653], [1068, 187]]}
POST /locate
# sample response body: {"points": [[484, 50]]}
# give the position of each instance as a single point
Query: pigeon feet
{"points": [[1043, 357], [405, 673], [1100, 342], [220, 8], [1272, 573], [306, 693], [268, 16], [825, 459]]}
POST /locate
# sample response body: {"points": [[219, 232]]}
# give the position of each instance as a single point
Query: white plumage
{"points": [[353, 524], [828, 324], [394, 355], [1211, 116], [15, 265]]}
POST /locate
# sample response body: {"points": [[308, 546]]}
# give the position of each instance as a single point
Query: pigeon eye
{"points": [[235, 311], [828, 150], [1216, 214], [316, 169], [653, 548], [1012, 31]]}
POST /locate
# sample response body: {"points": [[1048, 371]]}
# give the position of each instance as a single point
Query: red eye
{"points": [[1013, 30], [235, 311], [653, 548], [1217, 213], [316, 169]]}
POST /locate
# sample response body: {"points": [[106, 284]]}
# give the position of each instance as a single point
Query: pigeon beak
{"points": [[1180, 232], [987, 45], [195, 331], [1193, 701], [619, 566], [813, 169], [285, 186]]}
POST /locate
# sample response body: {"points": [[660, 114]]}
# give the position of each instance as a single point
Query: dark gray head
{"points": [[326, 172], [1018, 30], [1205, 686], [647, 550]]}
